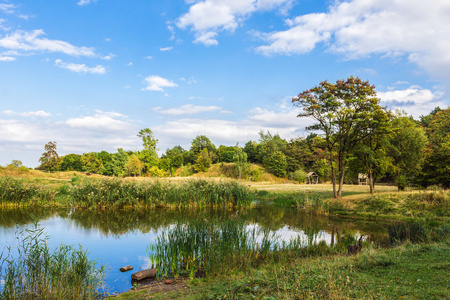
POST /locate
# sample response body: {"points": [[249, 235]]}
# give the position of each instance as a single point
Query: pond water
{"points": [[119, 238]]}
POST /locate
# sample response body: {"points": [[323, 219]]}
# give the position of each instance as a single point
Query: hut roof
{"points": [[362, 176], [312, 174]]}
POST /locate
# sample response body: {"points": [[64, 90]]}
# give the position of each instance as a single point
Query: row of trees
{"points": [[353, 134]]}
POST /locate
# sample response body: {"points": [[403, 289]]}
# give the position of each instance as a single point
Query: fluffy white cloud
{"points": [[104, 121], [209, 17], [39, 113], [283, 120], [188, 109], [32, 41], [80, 68], [25, 139], [413, 100], [356, 28], [157, 83]]}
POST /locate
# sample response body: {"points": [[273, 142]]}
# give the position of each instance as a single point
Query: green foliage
{"points": [[38, 273], [148, 140], [71, 162], [91, 163], [407, 149], [299, 176], [240, 161], [276, 163], [347, 112], [203, 161], [134, 166], [156, 172], [50, 158]]}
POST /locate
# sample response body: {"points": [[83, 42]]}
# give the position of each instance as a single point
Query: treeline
{"points": [[355, 135], [411, 152]]}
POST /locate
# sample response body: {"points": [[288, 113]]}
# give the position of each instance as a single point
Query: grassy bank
{"points": [[412, 271], [116, 193]]}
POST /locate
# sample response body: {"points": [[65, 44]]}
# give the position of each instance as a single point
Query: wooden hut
{"points": [[313, 178], [362, 179]]}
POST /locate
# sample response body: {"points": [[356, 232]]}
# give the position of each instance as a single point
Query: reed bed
{"points": [[201, 249], [38, 273], [116, 193]]}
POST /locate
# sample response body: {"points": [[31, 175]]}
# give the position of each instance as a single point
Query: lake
{"points": [[121, 237]]}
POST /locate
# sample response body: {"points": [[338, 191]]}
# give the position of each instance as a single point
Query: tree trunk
{"points": [[341, 176]]}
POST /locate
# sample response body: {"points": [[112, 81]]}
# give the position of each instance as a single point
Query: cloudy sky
{"points": [[89, 74]]}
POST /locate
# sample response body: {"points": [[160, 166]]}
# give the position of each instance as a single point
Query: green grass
{"points": [[407, 271], [30, 270]]}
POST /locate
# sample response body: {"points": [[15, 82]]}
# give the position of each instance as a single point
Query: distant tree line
{"points": [[353, 134]]}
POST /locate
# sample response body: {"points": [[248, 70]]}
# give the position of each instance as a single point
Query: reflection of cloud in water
{"points": [[288, 233], [144, 263]]}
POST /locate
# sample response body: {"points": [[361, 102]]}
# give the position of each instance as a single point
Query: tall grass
{"points": [[200, 249], [116, 193], [38, 273]]}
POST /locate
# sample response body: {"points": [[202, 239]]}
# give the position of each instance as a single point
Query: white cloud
{"points": [[149, 57], [7, 8], [85, 2], [104, 121], [414, 100], [282, 119], [188, 109], [165, 49], [109, 56], [80, 68], [7, 58], [157, 83], [25, 139], [209, 17], [418, 29], [39, 113], [34, 42]]}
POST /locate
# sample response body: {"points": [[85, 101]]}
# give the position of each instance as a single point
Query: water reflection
{"points": [[120, 237]]}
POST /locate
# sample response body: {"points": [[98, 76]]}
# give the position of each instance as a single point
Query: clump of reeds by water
{"points": [[15, 192], [36, 272], [200, 248], [116, 193]]}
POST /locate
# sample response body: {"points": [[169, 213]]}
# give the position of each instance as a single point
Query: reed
{"points": [[38, 273], [116, 193], [202, 249]]}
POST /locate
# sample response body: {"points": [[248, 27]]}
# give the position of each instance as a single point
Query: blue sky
{"points": [[89, 74]]}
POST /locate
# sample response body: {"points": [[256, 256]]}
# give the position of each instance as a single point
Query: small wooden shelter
{"points": [[313, 178], [362, 179]]}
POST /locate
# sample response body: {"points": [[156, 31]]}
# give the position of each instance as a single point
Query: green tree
{"points": [[50, 158], [436, 168], [201, 142], [148, 140], [91, 163], [408, 143], [71, 162], [240, 161], [371, 152], [203, 161], [134, 166], [344, 111], [251, 148]]}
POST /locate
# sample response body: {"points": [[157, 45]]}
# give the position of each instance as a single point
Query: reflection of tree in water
{"points": [[9, 217], [118, 222]]}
